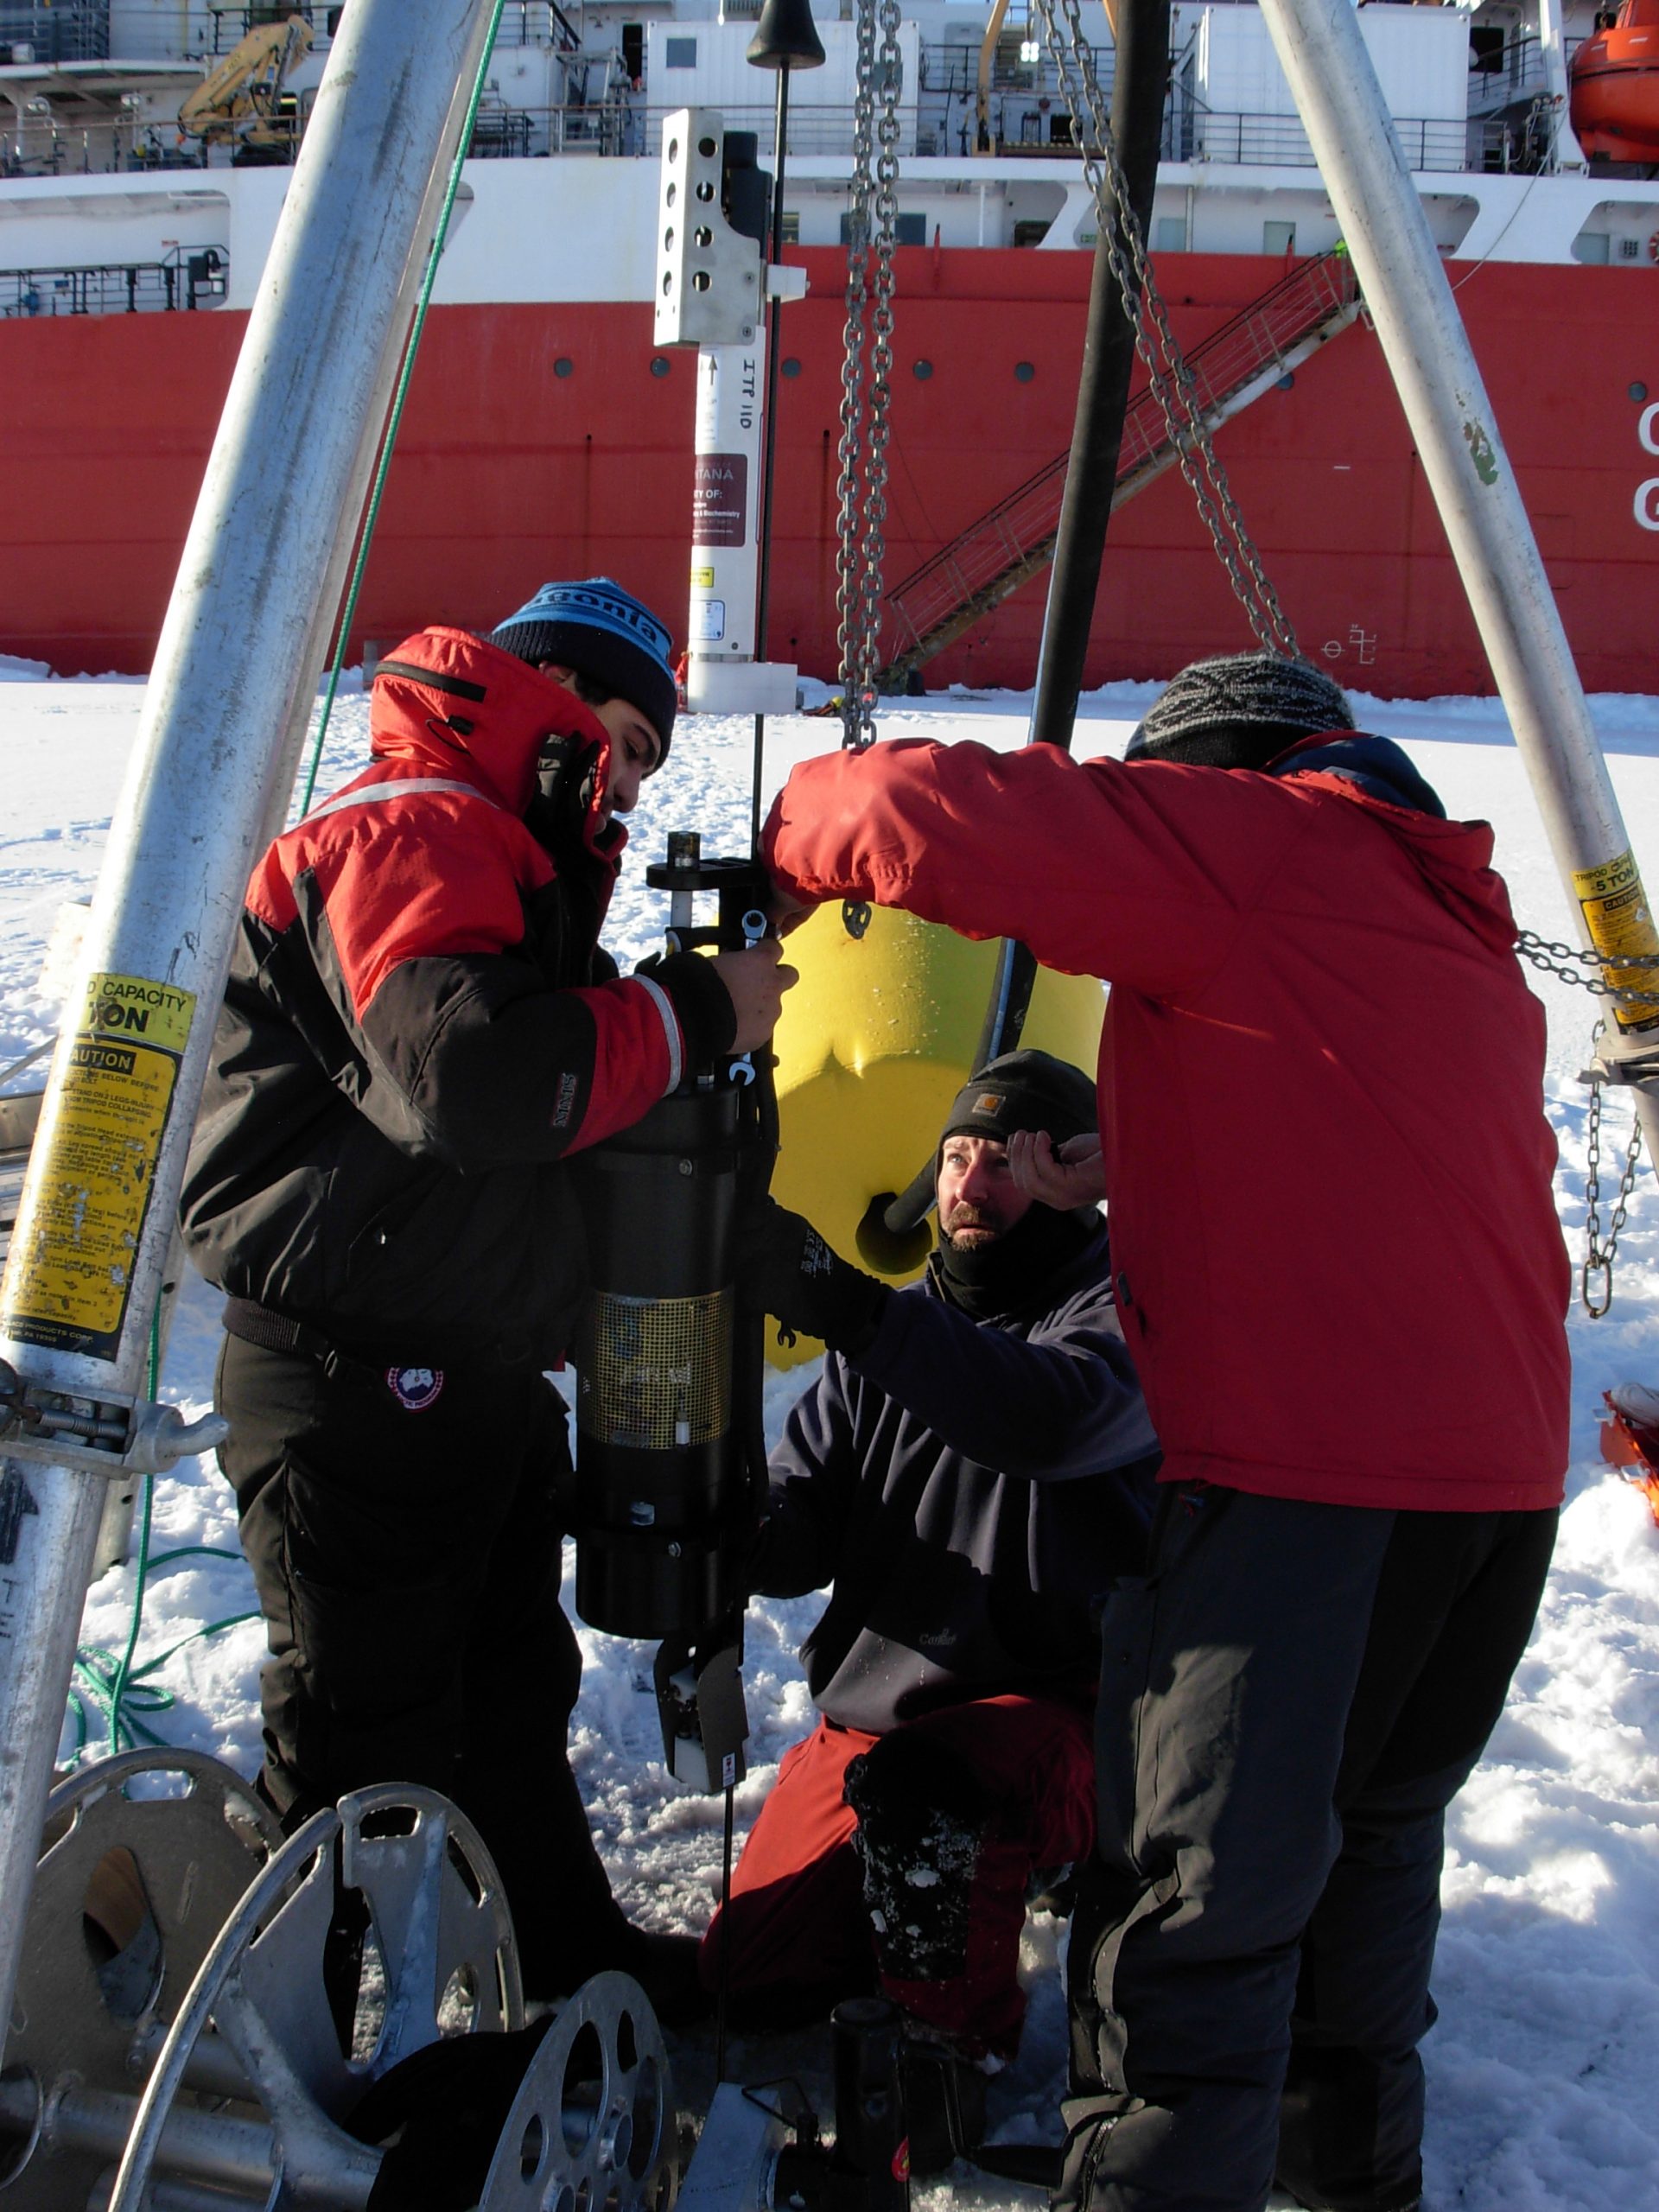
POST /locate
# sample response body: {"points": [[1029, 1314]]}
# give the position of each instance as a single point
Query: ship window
{"points": [[1279, 237], [908, 230], [1170, 234], [921, 371], [633, 51], [679, 53], [564, 366], [659, 365], [1638, 392], [791, 232], [1592, 246], [1629, 249], [792, 367], [1023, 371]]}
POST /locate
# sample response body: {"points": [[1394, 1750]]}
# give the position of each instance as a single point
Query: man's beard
{"points": [[966, 1217]]}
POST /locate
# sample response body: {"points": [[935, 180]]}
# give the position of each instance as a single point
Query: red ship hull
{"points": [[509, 470]]}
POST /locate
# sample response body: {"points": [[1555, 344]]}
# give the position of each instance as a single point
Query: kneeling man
{"points": [[972, 1470]]}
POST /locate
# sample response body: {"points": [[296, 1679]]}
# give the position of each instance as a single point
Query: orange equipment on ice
{"points": [[1630, 1437]]}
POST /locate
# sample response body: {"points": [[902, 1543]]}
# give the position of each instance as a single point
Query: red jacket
{"points": [[1328, 1168], [418, 1027]]}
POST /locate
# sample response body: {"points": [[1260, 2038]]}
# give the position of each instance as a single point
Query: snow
{"points": [[1540, 2090]]}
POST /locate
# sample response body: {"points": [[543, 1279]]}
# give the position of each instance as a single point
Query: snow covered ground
{"points": [[1541, 2095]]}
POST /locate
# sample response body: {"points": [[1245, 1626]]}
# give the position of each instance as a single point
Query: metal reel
{"points": [[380, 1927], [130, 1892], [594, 2128]]}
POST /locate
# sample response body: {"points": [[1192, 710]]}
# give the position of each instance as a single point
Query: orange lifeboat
{"points": [[1615, 80]]}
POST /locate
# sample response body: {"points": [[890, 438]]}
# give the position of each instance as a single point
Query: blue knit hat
{"points": [[604, 633]]}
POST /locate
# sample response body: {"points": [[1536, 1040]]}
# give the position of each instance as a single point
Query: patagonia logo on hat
{"points": [[415, 1388]]}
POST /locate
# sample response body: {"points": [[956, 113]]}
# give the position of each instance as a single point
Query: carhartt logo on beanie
{"points": [[604, 633], [1025, 1090], [1239, 710]]}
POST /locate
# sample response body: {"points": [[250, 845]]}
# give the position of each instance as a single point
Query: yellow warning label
{"points": [[69, 1272], [703, 579], [1620, 921]]}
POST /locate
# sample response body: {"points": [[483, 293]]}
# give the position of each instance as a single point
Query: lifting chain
{"points": [[1596, 1276], [1172, 380], [1553, 959], [866, 378], [867, 364]]}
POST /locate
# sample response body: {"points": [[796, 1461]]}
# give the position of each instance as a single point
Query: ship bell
{"points": [[785, 37]]}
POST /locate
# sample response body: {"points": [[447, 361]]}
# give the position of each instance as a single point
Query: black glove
{"points": [[810, 1288]]}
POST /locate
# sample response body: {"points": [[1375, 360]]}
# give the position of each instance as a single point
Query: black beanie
{"points": [[1024, 1090], [604, 633], [1239, 710]]}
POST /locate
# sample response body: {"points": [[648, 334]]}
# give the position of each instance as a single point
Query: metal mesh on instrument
{"points": [[655, 1372]]}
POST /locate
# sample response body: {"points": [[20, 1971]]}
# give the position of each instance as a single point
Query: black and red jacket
{"points": [[419, 1027]]}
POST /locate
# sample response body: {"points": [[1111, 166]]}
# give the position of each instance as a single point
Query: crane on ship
{"points": [[242, 99]]}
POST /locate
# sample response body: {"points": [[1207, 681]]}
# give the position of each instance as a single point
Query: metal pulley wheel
{"points": [[378, 1928], [142, 1860], [593, 2124]]}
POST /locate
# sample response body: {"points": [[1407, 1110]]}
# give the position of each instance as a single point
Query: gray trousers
{"points": [[1289, 1700]]}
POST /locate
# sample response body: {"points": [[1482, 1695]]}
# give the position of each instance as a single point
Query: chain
{"points": [[1554, 959], [849, 596], [867, 364], [866, 380], [1550, 958], [890, 68], [1171, 379], [1598, 1257]]}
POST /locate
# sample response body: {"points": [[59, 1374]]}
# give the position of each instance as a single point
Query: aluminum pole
{"points": [[1324, 56], [235, 672]]}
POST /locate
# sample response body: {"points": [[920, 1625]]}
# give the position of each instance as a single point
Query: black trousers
{"points": [[1289, 1701], [406, 1546]]}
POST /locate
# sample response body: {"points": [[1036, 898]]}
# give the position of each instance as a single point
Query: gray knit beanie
{"points": [[1239, 710]]}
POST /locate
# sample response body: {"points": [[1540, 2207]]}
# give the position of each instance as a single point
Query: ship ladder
{"points": [[1013, 540]]}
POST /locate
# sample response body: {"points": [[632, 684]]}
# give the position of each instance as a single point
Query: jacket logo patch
{"points": [[415, 1388], [565, 1103]]}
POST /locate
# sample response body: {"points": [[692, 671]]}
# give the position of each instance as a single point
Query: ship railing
{"points": [[1499, 76], [1279, 142], [523, 22], [1015, 538], [181, 283], [72, 31]]}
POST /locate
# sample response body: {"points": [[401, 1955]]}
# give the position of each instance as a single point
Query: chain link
{"points": [[1549, 957], [867, 364], [1171, 379], [1597, 1268]]}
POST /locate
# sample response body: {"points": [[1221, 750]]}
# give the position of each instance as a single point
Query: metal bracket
{"points": [[112, 1434], [1636, 1070]]}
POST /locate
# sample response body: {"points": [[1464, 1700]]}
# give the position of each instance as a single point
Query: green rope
{"points": [[114, 1687], [395, 416]]}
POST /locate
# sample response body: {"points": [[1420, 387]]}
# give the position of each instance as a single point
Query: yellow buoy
{"points": [[876, 1039]]}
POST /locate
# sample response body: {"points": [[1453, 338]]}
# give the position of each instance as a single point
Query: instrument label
{"points": [[69, 1273], [1620, 921]]}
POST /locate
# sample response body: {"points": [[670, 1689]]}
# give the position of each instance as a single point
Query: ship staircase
{"points": [[1014, 541]]}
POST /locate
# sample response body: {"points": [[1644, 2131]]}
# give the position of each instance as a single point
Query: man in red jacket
{"points": [[419, 1027], [1342, 1277]]}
